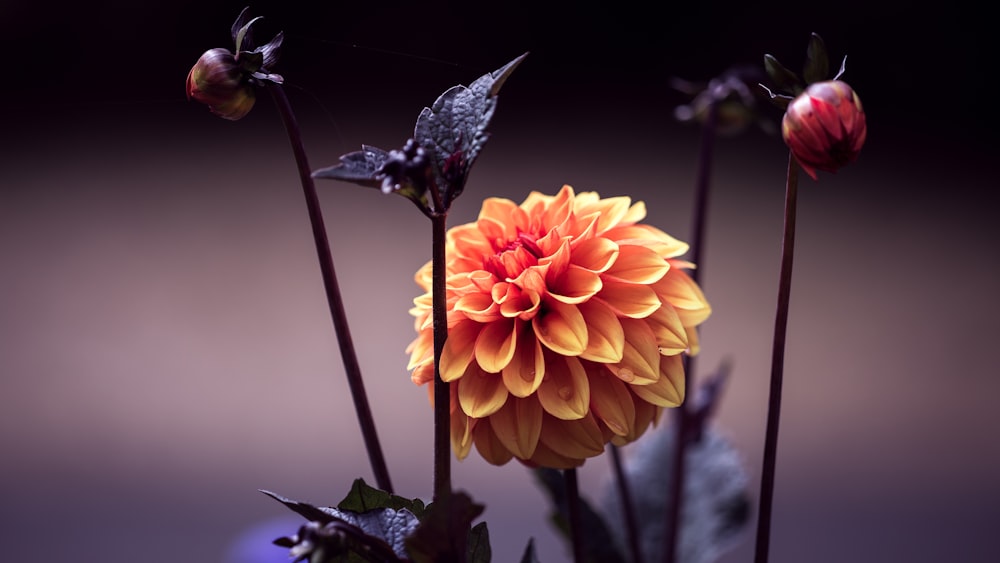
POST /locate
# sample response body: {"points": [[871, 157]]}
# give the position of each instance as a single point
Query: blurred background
{"points": [[165, 344]]}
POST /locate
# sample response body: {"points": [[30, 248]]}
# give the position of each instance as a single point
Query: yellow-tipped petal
{"points": [[611, 402], [671, 336], [526, 369], [546, 457], [596, 254], [488, 445], [478, 307], [459, 349], [517, 425], [605, 336], [668, 390], [481, 394], [640, 363], [561, 328], [495, 345], [637, 264], [565, 391], [629, 299], [576, 439], [461, 434]]}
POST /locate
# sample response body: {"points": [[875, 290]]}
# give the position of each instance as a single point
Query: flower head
{"points": [[825, 126], [225, 81], [567, 319]]}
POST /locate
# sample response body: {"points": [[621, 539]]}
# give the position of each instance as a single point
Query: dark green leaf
{"points": [[453, 129], [308, 511], [363, 498], [443, 534], [529, 552], [479, 544], [817, 67], [783, 78], [599, 545], [358, 167]]}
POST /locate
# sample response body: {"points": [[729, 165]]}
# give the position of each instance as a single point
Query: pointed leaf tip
{"points": [[817, 66]]}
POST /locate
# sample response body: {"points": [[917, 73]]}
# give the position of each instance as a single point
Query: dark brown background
{"points": [[165, 348]]}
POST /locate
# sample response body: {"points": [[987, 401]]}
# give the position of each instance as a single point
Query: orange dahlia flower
{"points": [[566, 324]]}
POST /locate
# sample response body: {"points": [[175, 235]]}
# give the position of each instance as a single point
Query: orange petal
{"points": [[629, 299], [650, 237], [640, 363], [461, 433], [678, 289], [605, 336], [611, 402], [576, 285], [637, 264], [495, 345], [565, 392], [668, 390], [424, 373], [596, 254], [488, 445], [574, 439], [546, 457], [517, 425], [612, 209], [459, 349], [478, 307], [561, 328], [671, 335], [524, 373], [481, 394]]}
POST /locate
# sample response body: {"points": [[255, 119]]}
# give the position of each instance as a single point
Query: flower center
{"points": [[514, 256]]}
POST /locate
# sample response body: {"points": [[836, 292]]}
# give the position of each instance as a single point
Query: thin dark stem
{"points": [[625, 495], [336, 303], [683, 413], [442, 393], [573, 508], [777, 366]]}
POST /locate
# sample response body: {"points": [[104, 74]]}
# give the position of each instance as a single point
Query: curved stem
{"points": [[442, 391], [683, 413], [777, 366], [332, 288]]}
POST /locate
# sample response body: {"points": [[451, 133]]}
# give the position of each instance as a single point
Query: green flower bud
{"points": [[825, 127], [219, 82]]}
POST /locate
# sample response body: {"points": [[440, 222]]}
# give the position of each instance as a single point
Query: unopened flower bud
{"points": [[825, 127], [218, 81]]}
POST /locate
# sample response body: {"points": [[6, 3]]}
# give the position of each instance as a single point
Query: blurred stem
{"points": [[625, 495], [683, 414], [442, 391], [573, 508], [777, 366], [333, 297]]}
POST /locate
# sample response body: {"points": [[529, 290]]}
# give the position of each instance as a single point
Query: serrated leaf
{"points": [[479, 544], [439, 537], [783, 78], [363, 498], [358, 167], [599, 545], [817, 66], [453, 128], [529, 555]]}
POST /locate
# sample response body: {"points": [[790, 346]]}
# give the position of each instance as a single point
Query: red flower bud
{"points": [[219, 82], [825, 127]]}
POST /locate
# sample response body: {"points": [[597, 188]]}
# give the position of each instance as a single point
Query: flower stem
{"points": [[628, 509], [573, 508], [683, 415], [442, 391], [336, 303], [777, 366]]}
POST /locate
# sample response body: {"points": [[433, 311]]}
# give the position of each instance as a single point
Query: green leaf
{"points": [[363, 498], [453, 129], [479, 544], [783, 78], [440, 537], [817, 67], [599, 545]]}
